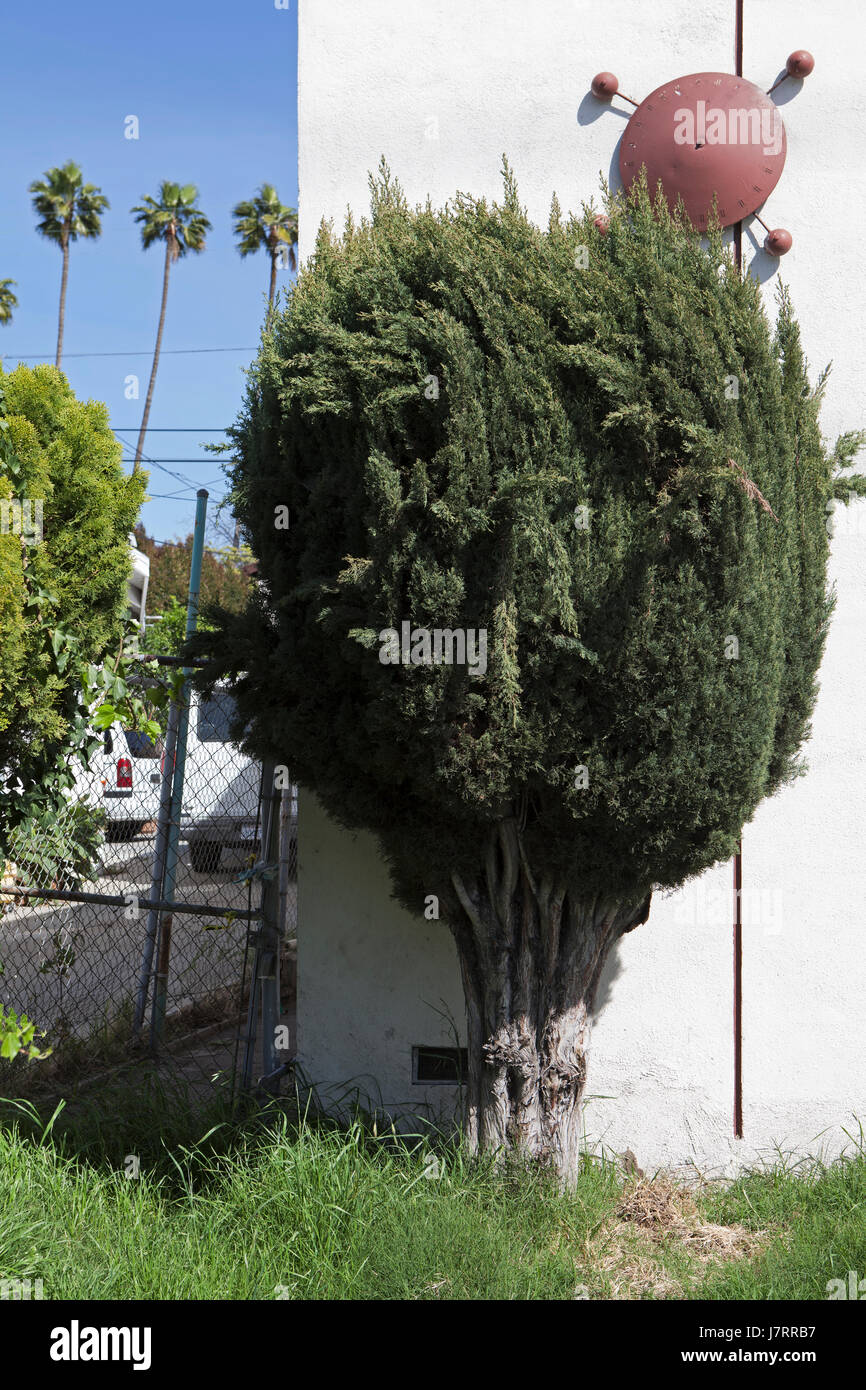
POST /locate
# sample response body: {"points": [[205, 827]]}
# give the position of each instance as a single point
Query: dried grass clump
{"points": [[655, 1216]]}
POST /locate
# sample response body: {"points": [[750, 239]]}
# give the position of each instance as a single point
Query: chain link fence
{"points": [[154, 919]]}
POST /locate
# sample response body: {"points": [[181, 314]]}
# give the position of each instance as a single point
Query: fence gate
{"points": [[154, 922]]}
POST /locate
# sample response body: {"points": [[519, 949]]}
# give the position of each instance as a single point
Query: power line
{"points": [[168, 497], [212, 484], [170, 429], [185, 498], [178, 477], [209, 549], [166, 352], [202, 458], [166, 429], [187, 501]]}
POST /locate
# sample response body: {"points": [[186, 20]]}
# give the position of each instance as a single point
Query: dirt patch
{"points": [[656, 1220]]}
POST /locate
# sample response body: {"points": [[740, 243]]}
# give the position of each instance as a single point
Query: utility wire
{"points": [[171, 429], [166, 352], [202, 458], [178, 477], [182, 494], [168, 497]]}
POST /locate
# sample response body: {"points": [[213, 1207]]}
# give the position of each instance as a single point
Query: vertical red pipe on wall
{"points": [[738, 993], [738, 857]]}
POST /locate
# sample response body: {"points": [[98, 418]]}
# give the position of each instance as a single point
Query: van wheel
{"points": [[205, 856]]}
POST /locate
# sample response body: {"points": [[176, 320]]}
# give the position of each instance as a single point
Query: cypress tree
{"points": [[598, 449], [63, 584]]}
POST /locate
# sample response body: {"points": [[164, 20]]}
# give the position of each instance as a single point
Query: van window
{"points": [[141, 745], [214, 717]]}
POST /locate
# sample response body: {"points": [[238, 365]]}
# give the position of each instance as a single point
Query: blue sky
{"points": [[214, 87]]}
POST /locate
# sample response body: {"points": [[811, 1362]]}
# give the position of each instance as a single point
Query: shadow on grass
{"points": [[152, 1120]]}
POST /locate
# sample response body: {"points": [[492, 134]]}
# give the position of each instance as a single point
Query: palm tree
{"points": [[263, 221], [173, 218], [67, 209], [8, 301]]}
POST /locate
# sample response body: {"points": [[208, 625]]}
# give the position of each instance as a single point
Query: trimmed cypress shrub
{"points": [[597, 449]]}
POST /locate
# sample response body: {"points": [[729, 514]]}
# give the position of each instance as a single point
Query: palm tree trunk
{"points": [[145, 417], [61, 317], [273, 289]]}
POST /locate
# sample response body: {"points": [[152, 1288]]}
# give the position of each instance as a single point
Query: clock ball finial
{"points": [[778, 242], [604, 85], [800, 63]]}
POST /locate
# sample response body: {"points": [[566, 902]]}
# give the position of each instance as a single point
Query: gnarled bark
{"points": [[531, 957]]}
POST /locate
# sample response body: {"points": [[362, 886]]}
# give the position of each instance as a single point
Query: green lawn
{"points": [[275, 1208]]}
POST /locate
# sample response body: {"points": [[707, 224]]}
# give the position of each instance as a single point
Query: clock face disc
{"points": [[707, 133]]}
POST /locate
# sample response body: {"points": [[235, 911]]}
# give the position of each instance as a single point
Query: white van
{"points": [[123, 777], [220, 788]]}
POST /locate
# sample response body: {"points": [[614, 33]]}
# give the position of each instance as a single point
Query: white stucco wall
{"points": [[443, 88]]}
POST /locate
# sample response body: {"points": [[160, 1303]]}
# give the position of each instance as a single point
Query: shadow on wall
{"points": [[762, 267], [589, 111], [612, 970]]}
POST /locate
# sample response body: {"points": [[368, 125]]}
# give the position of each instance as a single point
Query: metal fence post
{"points": [[270, 937], [160, 990], [265, 982], [158, 874], [285, 857]]}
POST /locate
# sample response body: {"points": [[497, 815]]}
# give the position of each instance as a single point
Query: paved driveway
{"points": [[80, 961]]}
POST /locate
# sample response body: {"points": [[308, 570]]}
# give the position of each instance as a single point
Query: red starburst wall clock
{"points": [[706, 135]]}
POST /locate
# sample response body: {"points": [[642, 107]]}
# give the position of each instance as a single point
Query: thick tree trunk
{"points": [[531, 958]]}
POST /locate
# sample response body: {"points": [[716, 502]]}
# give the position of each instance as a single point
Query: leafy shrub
{"points": [[59, 851], [62, 596]]}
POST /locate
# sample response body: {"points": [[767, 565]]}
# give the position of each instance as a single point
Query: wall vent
{"points": [[439, 1066]]}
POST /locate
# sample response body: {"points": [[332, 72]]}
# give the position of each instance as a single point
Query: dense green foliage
{"points": [[596, 447], [167, 630], [223, 582], [58, 849], [61, 597]]}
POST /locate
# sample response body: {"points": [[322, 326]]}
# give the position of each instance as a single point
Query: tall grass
{"points": [[286, 1210], [819, 1213], [278, 1205]]}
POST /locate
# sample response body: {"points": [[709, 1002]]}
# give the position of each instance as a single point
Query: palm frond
{"points": [[173, 216], [8, 300], [261, 221], [66, 207]]}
